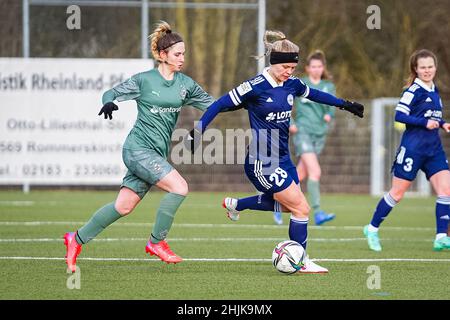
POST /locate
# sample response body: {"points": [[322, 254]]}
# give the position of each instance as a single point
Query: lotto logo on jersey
{"points": [[433, 114], [283, 115]]}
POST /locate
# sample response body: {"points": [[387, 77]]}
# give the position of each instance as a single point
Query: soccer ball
{"points": [[288, 256]]}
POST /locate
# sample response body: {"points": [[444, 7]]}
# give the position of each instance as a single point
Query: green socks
{"points": [[164, 217], [108, 214], [314, 194], [99, 221]]}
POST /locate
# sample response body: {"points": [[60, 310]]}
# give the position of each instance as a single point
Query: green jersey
{"points": [[159, 103], [308, 115]]}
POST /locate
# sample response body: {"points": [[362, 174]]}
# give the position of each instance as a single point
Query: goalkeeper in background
{"points": [[309, 127]]}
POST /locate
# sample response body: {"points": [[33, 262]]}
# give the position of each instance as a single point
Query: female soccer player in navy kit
{"points": [[269, 98], [420, 108]]}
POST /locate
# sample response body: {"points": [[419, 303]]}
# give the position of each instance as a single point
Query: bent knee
{"points": [[444, 193], [301, 211], [397, 195], [443, 190], [305, 209], [124, 208], [180, 188], [315, 175]]}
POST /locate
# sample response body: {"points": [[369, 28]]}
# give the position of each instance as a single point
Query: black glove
{"points": [[193, 140], [354, 107], [108, 109]]}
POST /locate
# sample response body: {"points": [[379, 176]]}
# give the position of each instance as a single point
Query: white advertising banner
{"points": [[50, 131]]}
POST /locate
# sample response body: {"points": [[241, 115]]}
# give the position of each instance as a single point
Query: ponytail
{"points": [[163, 38]]}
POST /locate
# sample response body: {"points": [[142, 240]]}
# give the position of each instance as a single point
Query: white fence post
{"points": [[377, 149]]}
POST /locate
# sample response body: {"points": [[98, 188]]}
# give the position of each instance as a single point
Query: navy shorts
{"points": [[407, 163], [270, 179]]}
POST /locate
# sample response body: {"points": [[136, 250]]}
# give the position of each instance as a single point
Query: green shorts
{"points": [[145, 168], [308, 143]]}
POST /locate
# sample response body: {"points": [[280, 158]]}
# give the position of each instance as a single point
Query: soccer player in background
{"points": [[160, 93], [309, 127], [269, 98], [420, 108]]}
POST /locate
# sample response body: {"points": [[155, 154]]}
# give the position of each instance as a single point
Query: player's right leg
{"points": [[293, 199], [261, 202], [301, 143], [230, 205], [177, 189], [384, 207], [125, 203], [404, 169]]}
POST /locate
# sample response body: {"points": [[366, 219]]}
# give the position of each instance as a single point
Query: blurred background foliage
{"points": [[365, 63]]}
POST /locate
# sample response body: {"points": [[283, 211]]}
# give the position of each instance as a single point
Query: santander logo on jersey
{"points": [[282, 115], [156, 109]]}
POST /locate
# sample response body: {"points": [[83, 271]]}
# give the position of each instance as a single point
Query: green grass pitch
{"points": [[115, 266]]}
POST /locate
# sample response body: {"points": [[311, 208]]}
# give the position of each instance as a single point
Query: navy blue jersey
{"points": [[269, 106], [420, 104]]}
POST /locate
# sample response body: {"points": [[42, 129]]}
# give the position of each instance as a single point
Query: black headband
{"points": [[170, 44], [283, 57]]}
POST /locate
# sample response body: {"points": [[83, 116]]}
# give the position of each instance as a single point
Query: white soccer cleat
{"points": [[230, 204], [311, 267]]}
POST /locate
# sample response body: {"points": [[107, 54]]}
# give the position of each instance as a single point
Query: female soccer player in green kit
{"points": [[159, 93], [310, 127]]}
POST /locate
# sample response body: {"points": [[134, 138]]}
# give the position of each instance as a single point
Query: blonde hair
{"points": [[163, 38], [276, 41], [320, 55]]}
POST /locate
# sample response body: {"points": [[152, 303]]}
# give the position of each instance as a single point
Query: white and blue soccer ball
{"points": [[288, 256]]}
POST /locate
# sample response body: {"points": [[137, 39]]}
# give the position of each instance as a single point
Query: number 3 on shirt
{"points": [[408, 161], [275, 177]]}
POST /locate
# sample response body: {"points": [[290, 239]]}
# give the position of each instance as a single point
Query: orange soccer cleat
{"points": [[73, 250], [162, 250]]}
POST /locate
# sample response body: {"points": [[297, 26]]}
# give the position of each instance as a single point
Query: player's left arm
{"points": [[197, 97], [200, 99], [329, 99], [442, 123], [331, 111], [192, 140], [233, 100]]}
